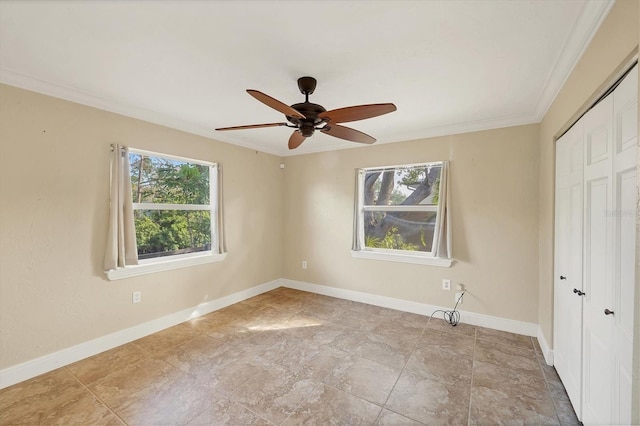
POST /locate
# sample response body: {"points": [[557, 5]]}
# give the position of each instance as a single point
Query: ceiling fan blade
{"points": [[347, 133], [354, 113], [296, 139], [251, 126], [275, 104]]}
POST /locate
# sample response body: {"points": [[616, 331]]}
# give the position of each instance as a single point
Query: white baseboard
{"points": [[546, 350], [497, 323], [26, 370]]}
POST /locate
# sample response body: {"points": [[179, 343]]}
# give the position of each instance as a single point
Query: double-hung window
{"points": [[401, 214], [175, 204]]}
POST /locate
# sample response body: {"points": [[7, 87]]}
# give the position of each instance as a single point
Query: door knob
{"points": [[562, 277], [578, 292], [608, 312]]}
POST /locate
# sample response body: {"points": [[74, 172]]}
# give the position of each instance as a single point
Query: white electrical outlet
{"points": [[446, 284], [136, 297], [304, 264], [458, 298]]}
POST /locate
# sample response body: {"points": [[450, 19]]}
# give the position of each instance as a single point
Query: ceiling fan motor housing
{"points": [[310, 111]]}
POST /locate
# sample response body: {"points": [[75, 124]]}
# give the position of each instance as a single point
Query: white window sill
{"points": [[402, 257], [154, 265]]}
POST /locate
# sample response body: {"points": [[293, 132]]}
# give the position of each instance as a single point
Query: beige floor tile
{"points": [[291, 305], [34, 393], [389, 418], [451, 343], [274, 393], [388, 350], [229, 326], [404, 317], [564, 409], [223, 368], [365, 379], [437, 323], [327, 405], [96, 367], [153, 392], [266, 318], [489, 375], [399, 327], [440, 365], [201, 350], [517, 357], [290, 353], [493, 406], [504, 337], [504, 394], [328, 363], [77, 408], [224, 411], [164, 340], [429, 401], [321, 299], [325, 333], [231, 377], [356, 320], [550, 374], [321, 312]]}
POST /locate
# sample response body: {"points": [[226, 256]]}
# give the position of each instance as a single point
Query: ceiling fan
{"points": [[307, 117]]}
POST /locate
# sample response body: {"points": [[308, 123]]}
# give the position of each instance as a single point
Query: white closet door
{"points": [[625, 140], [611, 136], [568, 263], [597, 407]]}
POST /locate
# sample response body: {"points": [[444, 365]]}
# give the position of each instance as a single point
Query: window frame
{"points": [[394, 255], [165, 263]]}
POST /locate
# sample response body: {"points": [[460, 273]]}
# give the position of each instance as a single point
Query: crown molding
{"points": [[23, 81], [588, 23]]}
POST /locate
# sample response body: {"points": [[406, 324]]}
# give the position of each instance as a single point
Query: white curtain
{"points": [[442, 236], [358, 231], [121, 247], [221, 247]]}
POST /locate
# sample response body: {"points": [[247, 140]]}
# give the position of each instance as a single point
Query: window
{"points": [[172, 205], [175, 212], [401, 214]]}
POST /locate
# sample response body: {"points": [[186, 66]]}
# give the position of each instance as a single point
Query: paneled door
{"points": [[568, 263], [610, 140], [625, 143], [598, 244]]}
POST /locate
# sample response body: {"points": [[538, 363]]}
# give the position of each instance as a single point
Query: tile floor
{"points": [[290, 357]]}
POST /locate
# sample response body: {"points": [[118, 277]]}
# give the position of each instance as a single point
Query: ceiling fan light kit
{"points": [[307, 117]]}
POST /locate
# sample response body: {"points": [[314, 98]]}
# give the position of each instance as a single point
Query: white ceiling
{"points": [[449, 66]]}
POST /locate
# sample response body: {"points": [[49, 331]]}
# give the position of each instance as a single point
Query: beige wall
{"points": [[54, 194], [494, 198], [615, 40]]}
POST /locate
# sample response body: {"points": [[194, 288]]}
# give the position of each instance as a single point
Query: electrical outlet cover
{"points": [[446, 284]]}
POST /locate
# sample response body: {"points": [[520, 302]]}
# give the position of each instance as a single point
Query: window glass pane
{"points": [[399, 230], [407, 186], [170, 232], [161, 180]]}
